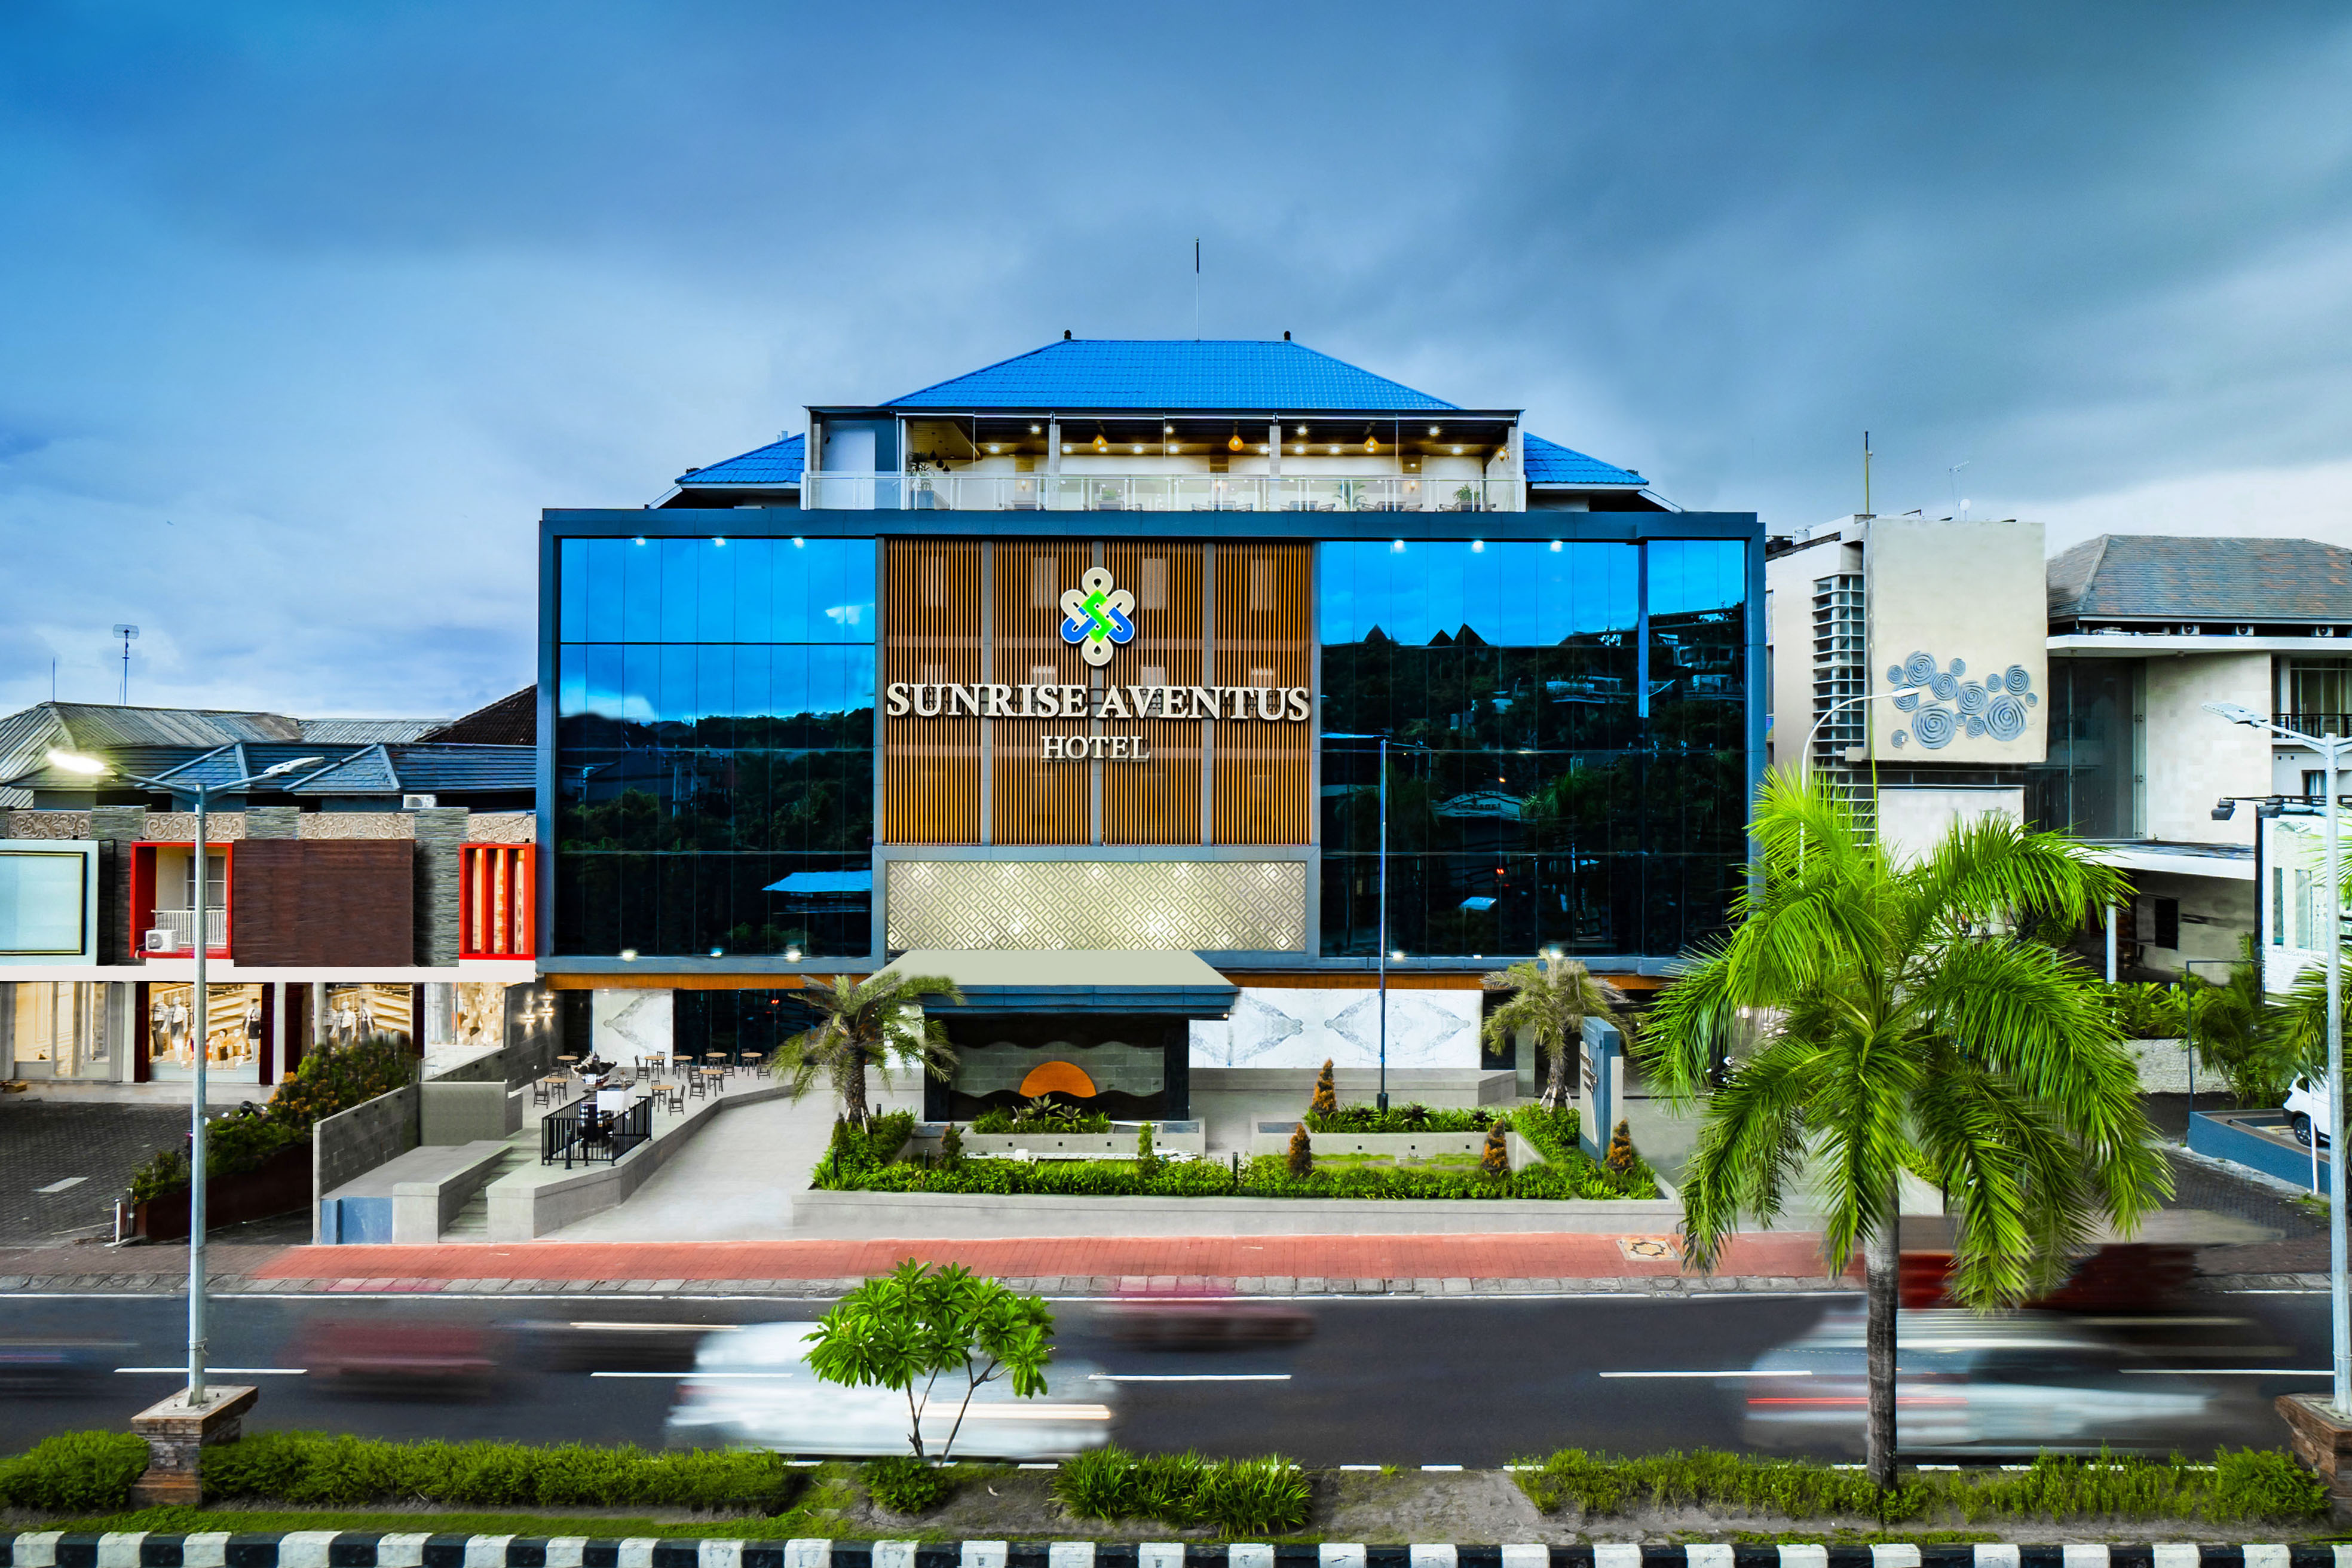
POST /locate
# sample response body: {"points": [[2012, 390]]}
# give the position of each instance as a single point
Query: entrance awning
{"points": [[1120, 980]]}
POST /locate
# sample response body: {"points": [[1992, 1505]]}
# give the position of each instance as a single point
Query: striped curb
{"points": [[355, 1549]]}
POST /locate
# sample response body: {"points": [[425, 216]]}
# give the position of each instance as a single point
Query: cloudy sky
{"points": [[305, 310]]}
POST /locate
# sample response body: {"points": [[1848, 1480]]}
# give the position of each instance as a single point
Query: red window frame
{"points": [[142, 895]]}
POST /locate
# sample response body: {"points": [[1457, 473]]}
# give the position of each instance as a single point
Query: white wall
{"points": [[1974, 591], [1283, 1027], [626, 1024], [1913, 821], [2194, 758]]}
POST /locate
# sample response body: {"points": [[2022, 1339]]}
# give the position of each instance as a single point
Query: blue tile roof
{"points": [[1549, 463], [1165, 374], [777, 463]]}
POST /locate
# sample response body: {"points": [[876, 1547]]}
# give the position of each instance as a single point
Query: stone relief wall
{"points": [[1283, 1027], [44, 825], [358, 824], [502, 827]]}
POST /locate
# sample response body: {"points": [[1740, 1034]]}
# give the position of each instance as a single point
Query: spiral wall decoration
{"points": [[1995, 706]]}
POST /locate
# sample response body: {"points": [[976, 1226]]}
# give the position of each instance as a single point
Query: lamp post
{"points": [[2331, 750], [90, 767], [1805, 755]]}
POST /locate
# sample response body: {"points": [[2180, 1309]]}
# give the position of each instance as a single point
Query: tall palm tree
{"points": [[879, 1024], [1902, 1027], [1553, 996]]}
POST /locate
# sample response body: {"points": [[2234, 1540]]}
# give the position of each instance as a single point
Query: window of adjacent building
{"points": [[2319, 694], [1555, 777], [2314, 783], [2091, 782], [58, 1030], [714, 745]]}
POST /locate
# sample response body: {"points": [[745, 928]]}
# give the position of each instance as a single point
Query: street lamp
{"points": [[1805, 755], [2331, 750], [92, 767]]}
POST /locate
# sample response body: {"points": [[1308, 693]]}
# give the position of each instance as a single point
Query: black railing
{"points": [[579, 1131], [2315, 723]]}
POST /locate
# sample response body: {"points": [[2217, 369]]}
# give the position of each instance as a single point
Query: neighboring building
{"points": [[386, 887], [2105, 733], [1063, 672]]}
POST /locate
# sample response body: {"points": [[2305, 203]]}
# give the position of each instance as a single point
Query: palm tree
{"points": [[880, 1023], [1899, 1027], [1554, 996], [2238, 1032]]}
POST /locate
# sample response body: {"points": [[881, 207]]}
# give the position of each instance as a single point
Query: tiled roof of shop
{"points": [[1163, 374], [512, 721], [430, 769], [1549, 463], [777, 463], [2143, 576], [368, 732], [367, 770]]}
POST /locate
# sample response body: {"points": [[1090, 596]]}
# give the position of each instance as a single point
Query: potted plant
{"points": [[1107, 498], [1465, 498], [925, 500]]}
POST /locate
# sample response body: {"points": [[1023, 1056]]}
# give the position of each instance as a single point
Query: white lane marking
{"points": [[699, 1376], [181, 1370], [2228, 1372], [61, 1186], [1726, 1372], [1188, 1377]]}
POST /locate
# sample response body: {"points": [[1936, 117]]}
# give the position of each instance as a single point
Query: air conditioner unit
{"points": [[419, 802], [157, 940]]}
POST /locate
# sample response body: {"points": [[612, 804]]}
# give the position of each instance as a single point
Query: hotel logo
{"points": [[1096, 617]]}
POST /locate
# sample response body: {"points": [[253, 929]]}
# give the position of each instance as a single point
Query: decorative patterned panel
{"points": [[1262, 774], [1305, 1028], [1217, 905], [931, 634]]}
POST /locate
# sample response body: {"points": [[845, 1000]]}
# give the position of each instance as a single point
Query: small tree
{"points": [[1147, 1157], [951, 1146], [1552, 999], [1495, 1160], [1301, 1158], [1327, 1094], [917, 1324], [1620, 1156], [880, 1023]]}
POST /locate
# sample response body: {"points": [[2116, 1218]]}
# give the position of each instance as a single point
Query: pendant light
{"points": [[1102, 442], [1236, 444], [1371, 444]]}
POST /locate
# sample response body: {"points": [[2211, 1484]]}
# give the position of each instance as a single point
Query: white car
{"points": [[2306, 1108], [753, 1389], [2011, 1384]]}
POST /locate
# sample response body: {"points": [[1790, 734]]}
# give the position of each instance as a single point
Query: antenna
{"points": [[1196, 288], [129, 634], [1959, 502], [1866, 474]]}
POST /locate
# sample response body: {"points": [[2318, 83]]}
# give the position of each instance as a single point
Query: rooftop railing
{"points": [[2316, 723], [1158, 492]]}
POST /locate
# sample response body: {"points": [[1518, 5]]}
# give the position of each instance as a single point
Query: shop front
{"points": [[233, 1034], [60, 1029]]}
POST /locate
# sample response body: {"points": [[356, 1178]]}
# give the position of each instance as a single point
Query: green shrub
{"points": [[1040, 1115], [1239, 1497], [1410, 1117], [951, 1147], [343, 1471], [1147, 1156], [328, 1081], [856, 1150], [1264, 1176], [2255, 1483], [75, 1472], [904, 1484], [1554, 1133]]}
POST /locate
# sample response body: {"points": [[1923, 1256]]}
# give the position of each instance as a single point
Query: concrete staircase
{"points": [[472, 1222]]}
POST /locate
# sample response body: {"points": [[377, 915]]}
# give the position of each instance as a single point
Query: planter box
{"points": [[973, 1215], [1274, 1138], [1181, 1137], [281, 1184]]}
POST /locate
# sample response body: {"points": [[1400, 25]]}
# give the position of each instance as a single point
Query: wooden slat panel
{"points": [[1263, 772], [1036, 801], [931, 634], [1158, 802]]}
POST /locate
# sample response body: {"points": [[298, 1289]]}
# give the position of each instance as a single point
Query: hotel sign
{"points": [[1097, 619]]}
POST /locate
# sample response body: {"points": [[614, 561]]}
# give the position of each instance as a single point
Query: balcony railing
{"points": [[1158, 492], [2316, 723], [182, 924]]}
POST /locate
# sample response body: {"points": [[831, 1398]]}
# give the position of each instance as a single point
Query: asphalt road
{"points": [[1400, 1381]]}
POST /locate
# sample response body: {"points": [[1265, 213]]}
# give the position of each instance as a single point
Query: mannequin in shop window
{"points": [[253, 1030], [366, 1018], [178, 1022], [159, 1028]]}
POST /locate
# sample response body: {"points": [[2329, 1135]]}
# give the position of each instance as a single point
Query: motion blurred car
{"points": [[1195, 1318], [401, 1359], [2009, 1385], [597, 1345], [47, 1366], [753, 1389]]}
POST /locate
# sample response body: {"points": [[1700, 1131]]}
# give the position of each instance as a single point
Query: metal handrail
{"points": [[579, 1130], [1086, 491]]}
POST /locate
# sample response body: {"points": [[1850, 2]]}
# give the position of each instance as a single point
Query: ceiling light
{"points": [[1236, 444], [628, 955], [1138, 450], [1335, 451], [1477, 547], [1302, 448], [1302, 429], [721, 543], [1168, 429], [1371, 445], [1036, 429], [1261, 451], [1555, 547], [1433, 430], [995, 447], [1457, 451], [1102, 442]]}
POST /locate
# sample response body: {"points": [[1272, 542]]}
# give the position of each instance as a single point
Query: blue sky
{"points": [[305, 310]]}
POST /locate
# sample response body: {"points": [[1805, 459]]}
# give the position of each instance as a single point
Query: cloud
{"points": [[321, 305]]}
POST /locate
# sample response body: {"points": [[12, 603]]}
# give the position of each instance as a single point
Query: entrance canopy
{"points": [[1121, 980]]}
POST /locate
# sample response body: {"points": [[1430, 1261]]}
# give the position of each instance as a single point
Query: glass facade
{"points": [[1567, 729], [2090, 784], [714, 765]]}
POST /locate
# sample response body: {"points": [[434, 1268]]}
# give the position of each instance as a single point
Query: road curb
{"points": [[360, 1549]]}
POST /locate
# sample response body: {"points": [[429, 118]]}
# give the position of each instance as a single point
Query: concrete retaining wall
{"points": [[971, 1215], [1183, 1137], [422, 1208], [1274, 1138], [464, 1112], [353, 1142]]}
